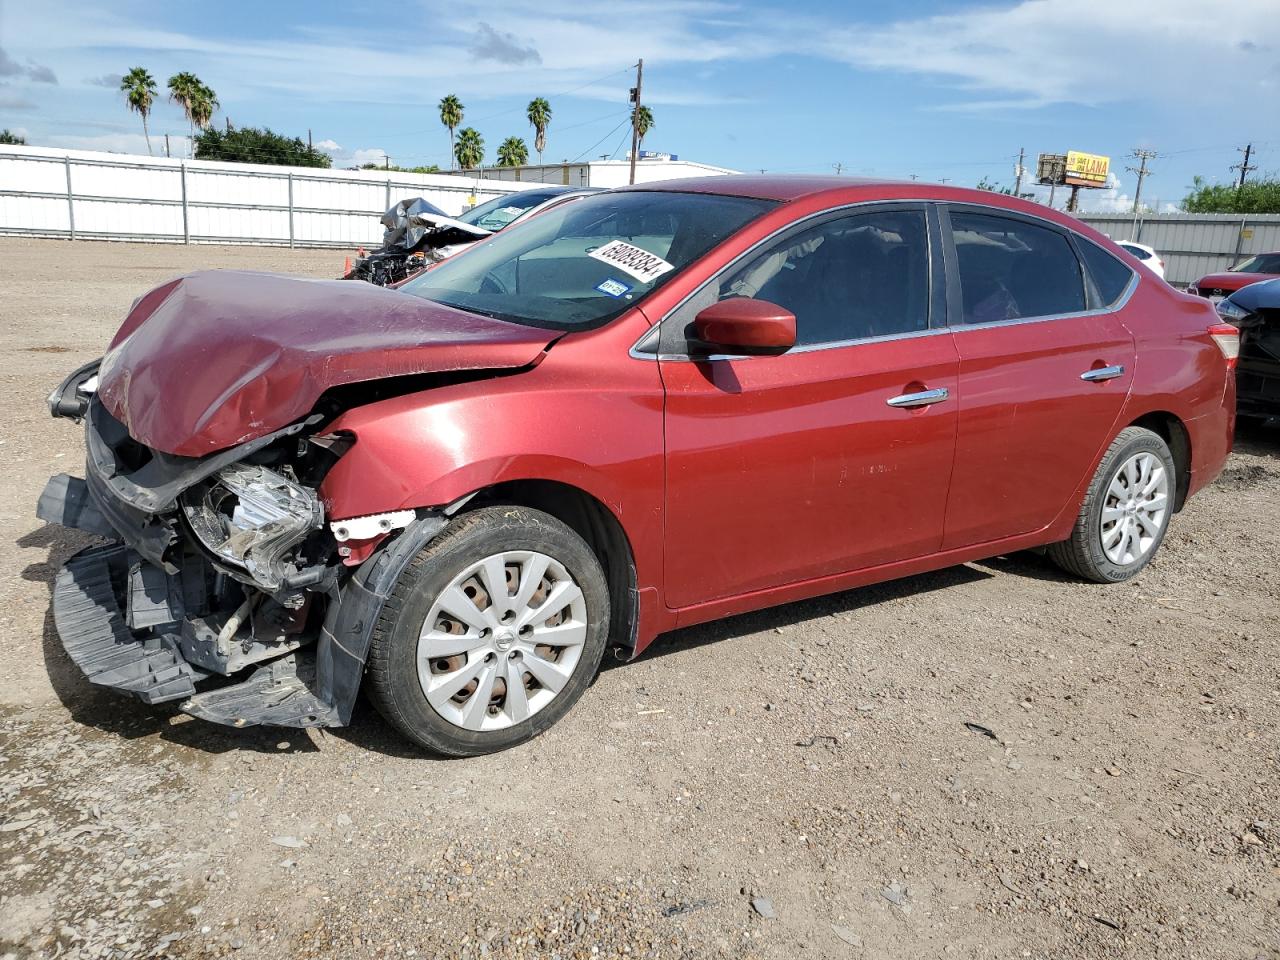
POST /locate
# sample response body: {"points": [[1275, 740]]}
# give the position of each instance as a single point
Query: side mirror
{"points": [[743, 325]]}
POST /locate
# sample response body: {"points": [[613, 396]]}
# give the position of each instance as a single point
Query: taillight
{"points": [[1227, 338]]}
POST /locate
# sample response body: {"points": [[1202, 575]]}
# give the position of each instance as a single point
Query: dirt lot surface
{"points": [[795, 783]]}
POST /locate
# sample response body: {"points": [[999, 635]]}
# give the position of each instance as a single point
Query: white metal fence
{"points": [[102, 196], [1193, 244]]}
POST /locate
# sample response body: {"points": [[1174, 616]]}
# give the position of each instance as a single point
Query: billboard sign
{"points": [[1051, 168], [1086, 169]]}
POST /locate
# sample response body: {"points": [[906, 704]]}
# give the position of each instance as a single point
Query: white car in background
{"points": [[1150, 259]]}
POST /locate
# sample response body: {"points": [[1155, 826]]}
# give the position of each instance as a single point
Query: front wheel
{"points": [[1125, 513], [491, 634]]}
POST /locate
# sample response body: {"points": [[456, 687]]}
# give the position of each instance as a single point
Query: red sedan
{"points": [[650, 408], [1216, 286]]}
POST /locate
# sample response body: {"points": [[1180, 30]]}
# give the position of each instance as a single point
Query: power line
{"points": [[1142, 156], [635, 117], [591, 148], [1244, 166]]}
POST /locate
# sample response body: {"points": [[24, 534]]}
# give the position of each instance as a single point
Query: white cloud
{"points": [[369, 155], [1036, 52], [15, 101], [328, 146], [1021, 54]]}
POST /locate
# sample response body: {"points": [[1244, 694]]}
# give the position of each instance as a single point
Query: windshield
{"points": [[581, 264], [1263, 263], [497, 213]]}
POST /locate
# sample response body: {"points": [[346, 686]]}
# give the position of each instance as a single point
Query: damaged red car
{"points": [[650, 408]]}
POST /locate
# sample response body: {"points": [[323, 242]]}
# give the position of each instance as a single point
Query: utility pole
{"points": [[166, 146], [1244, 166], [635, 108], [1141, 170], [839, 167], [914, 176], [1017, 183]]}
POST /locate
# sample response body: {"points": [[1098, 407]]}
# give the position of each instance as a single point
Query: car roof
{"points": [[786, 188]]}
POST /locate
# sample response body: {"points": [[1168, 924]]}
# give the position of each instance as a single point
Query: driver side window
{"points": [[848, 278]]}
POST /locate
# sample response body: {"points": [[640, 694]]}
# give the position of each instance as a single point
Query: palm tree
{"points": [[469, 150], [513, 152], [139, 93], [642, 120], [539, 114], [203, 107], [451, 117], [184, 89]]}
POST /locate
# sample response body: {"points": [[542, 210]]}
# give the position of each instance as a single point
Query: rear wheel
{"points": [[1125, 513], [491, 634]]}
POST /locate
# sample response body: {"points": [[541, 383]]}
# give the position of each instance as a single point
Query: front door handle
{"points": [[1103, 373], [920, 399]]}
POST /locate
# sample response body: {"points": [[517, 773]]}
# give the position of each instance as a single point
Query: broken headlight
{"points": [[251, 517]]}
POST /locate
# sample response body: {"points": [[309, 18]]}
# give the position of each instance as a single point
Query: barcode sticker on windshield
{"points": [[631, 260]]}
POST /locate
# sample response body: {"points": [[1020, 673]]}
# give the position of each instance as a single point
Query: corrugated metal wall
{"points": [[84, 194], [1193, 244]]}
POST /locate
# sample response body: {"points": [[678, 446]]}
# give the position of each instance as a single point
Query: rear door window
{"points": [[1012, 269]]}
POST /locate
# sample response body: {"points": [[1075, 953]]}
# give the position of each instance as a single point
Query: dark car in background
{"points": [[1215, 286], [1256, 311]]}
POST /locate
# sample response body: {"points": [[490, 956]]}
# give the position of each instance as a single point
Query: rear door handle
{"points": [[1103, 373], [921, 399]]}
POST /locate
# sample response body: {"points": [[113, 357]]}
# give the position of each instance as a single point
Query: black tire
{"points": [[392, 673], [1082, 553]]}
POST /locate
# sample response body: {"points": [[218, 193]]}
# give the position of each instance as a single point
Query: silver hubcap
{"points": [[502, 640], [1136, 509]]}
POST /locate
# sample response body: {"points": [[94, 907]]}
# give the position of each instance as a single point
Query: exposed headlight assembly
{"points": [[251, 517]]}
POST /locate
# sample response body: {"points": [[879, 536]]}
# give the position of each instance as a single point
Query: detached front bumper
{"points": [[154, 614], [124, 622]]}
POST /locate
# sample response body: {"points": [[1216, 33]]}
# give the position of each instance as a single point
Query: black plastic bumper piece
{"points": [[66, 501], [279, 694], [97, 639]]}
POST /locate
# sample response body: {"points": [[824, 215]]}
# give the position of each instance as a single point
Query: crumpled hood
{"points": [[1230, 280], [219, 358]]}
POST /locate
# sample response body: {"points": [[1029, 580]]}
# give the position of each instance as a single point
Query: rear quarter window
{"points": [[1110, 276]]}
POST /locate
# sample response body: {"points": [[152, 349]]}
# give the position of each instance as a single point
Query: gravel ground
{"points": [[800, 782]]}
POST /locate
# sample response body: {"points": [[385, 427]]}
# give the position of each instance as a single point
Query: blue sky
{"points": [[939, 90]]}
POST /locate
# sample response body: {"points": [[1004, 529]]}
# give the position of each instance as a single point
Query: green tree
{"points": [[1253, 196], [203, 107], [451, 116], [184, 88], [513, 152], [139, 91], [251, 145], [539, 114], [642, 120], [469, 150], [8, 136], [430, 168]]}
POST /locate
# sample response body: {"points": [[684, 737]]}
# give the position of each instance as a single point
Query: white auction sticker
{"points": [[632, 260]]}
